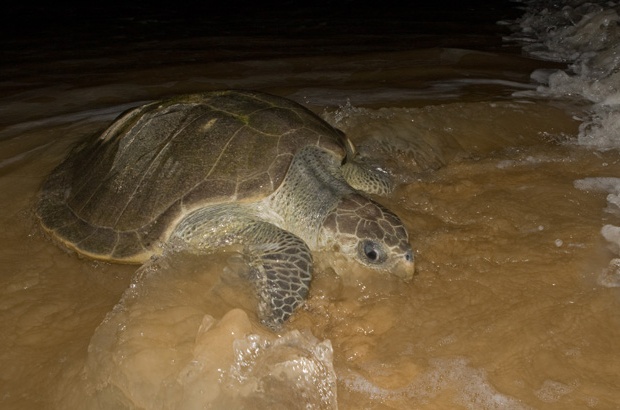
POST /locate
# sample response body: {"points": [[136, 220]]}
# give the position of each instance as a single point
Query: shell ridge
{"points": [[155, 159], [215, 164], [222, 152], [87, 184], [109, 134]]}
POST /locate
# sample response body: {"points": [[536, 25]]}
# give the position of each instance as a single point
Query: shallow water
{"points": [[514, 304]]}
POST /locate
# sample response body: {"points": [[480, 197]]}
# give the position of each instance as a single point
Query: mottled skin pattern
{"points": [[206, 171]]}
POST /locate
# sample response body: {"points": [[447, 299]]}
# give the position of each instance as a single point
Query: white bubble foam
{"points": [[585, 34], [293, 368], [551, 391], [468, 387], [600, 184], [610, 277]]}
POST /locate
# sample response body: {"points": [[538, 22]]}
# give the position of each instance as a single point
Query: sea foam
{"points": [[586, 36]]}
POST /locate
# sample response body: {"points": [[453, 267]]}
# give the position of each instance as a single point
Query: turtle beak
{"points": [[405, 266]]}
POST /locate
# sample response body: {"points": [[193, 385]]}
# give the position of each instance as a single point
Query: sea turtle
{"points": [[209, 170]]}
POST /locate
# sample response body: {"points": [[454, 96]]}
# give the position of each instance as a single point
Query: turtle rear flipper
{"points": [[365, 179]]}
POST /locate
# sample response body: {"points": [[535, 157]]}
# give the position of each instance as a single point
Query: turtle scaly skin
{"points": [[225, 168]]}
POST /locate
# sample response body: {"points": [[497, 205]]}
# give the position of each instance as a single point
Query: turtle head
{"points": [[370, 234]]}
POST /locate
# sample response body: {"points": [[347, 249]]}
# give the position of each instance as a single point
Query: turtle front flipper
{"points": [[280, 262], [281, 270]]}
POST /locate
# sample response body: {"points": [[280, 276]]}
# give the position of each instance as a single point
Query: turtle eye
{"points": [[372, 252]]}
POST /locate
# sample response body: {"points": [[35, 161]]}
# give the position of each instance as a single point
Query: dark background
{"points": [[41, 43], [67, 25]]}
